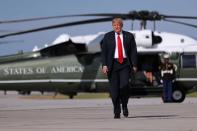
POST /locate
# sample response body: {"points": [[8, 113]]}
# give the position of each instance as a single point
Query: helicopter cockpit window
{"points": [[147, 37], [182, 40], [189, 61]]}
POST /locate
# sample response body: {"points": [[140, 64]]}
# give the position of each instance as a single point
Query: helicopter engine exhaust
{"points": [[146, 38]]}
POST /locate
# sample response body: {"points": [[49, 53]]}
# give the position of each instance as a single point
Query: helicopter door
{"points": [[148, 69]]}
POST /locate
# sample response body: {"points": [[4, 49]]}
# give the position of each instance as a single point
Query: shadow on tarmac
{"points": [[155, 116]]}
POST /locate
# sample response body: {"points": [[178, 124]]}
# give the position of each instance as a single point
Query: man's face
{"points": [[117, 26]]}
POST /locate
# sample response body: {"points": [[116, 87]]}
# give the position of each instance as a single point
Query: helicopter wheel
{"points": [[178, 95]]}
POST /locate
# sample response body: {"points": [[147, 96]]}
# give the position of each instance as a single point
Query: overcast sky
{"points": [[20, 9]]}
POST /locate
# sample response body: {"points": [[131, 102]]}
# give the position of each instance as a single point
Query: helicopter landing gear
{"points": [[178, 95]]}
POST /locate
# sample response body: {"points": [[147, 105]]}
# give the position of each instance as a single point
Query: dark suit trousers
{"points": [[119, 85]]}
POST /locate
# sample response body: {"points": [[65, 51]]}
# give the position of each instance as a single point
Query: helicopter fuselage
{"points": [[71, 74]]}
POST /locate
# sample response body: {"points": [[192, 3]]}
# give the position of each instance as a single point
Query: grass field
{"points": [[80, 96], [193, 94], [60, 96]]}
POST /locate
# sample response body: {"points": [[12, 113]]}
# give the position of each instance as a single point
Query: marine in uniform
{"points": [[168, 76]]}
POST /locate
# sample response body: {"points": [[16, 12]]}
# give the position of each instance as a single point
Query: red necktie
{"points": [[120, 54]]}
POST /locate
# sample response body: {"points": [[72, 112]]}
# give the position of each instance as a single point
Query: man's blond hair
{"points": [[118, 19]]}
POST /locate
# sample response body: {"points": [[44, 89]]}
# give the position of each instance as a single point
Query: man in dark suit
{"points": [[119, 60]]}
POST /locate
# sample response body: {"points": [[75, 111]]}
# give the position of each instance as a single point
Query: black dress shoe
{"points": [[117, 116], [125, 112]]}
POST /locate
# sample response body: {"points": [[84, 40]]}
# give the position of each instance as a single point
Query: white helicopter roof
{"points": [[176, 43], [76, 39], [171, 42]]}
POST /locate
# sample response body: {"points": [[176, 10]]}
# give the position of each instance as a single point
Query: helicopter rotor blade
{"points": [[58, 26], [106, 15], [61, 16], [179, 17], [34, 19], [182, 23], [139, 15], [133, 15]]}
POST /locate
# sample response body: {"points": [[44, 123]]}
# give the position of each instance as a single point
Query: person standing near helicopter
{"points": [[119, 59], [168, 76]]}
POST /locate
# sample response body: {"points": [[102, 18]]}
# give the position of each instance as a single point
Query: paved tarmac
{"points": [[146, 114]]}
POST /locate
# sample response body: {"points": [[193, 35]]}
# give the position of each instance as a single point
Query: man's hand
{"points": [[135, 69], [105, 70]]}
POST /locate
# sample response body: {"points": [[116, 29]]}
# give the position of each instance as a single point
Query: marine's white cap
{"points": [[166, 56]]}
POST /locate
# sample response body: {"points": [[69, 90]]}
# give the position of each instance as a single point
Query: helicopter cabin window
{"points": [[189, 61]]}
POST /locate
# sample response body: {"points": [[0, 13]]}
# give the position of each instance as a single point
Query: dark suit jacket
{"points": [[108, 49]]}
